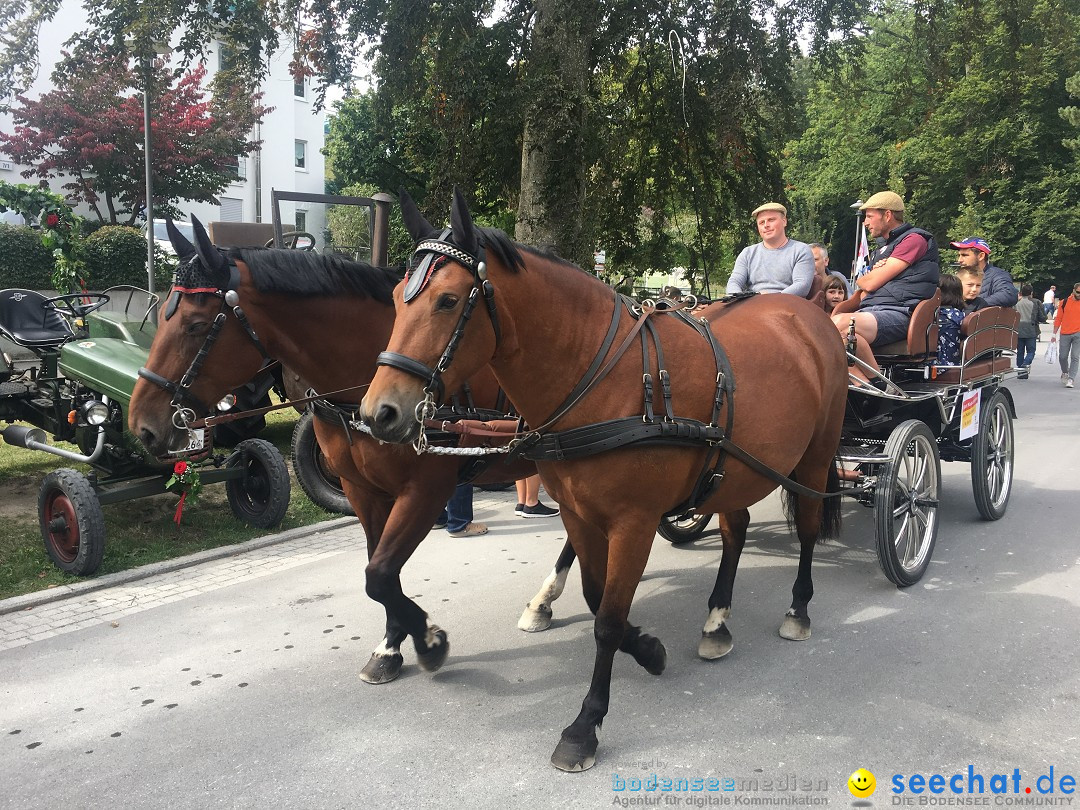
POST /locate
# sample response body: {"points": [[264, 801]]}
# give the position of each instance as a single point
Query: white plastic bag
{"points": [[1052, 350]]}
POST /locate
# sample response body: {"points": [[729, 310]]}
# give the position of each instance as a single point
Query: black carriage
{"points": [[908, 417]]}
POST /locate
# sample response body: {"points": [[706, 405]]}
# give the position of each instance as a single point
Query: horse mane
{"points": [[307, 274]]}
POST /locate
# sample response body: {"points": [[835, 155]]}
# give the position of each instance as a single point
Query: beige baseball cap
{"points": [[769, 206], [888, 200]]}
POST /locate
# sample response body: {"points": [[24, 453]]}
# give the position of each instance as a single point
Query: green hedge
{"points": [[116, 254], [24, 261]]}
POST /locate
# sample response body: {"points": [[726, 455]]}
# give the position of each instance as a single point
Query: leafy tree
{"points": [[90, 133]]}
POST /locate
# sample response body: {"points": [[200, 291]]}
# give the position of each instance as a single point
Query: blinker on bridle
{"points": [[432, 254], [190, 281]]}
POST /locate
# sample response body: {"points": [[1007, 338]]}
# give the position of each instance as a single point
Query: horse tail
{"points": [[831, 514]]}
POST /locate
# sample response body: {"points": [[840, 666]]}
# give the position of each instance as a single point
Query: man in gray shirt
{"points": [[776, 263]]}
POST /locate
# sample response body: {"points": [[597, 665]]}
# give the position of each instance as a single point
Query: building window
{"points": [[301, 221], [299, 88], [232, 209], [301, 154], [226, 57], [239, 169]]}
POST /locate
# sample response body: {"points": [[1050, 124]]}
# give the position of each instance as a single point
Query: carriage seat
{"points": [[26, 321], [240, 234], [985, 337], [922, 337]]}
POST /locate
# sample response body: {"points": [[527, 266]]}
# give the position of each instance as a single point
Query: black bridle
{"points": [[428, 256], [192, 282]]}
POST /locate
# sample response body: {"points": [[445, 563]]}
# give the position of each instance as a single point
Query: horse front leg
{"points": [[716, 641], [796, 624], [538, 613], [409, 522], [628, 552]]}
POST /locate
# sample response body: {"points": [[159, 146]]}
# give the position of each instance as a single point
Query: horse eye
{"points": [[447, 301], [196, 329]]}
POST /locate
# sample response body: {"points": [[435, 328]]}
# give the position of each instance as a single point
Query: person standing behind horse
{"points": [[1031, 313], [776, 264], [903, 272], [998, 290], [1067, 324]]}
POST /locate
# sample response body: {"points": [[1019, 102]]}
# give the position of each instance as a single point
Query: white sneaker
{"points": [[1069, 384], [1064, 377]]}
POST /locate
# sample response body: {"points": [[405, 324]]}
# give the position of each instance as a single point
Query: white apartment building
{"points": [[292, 135]]}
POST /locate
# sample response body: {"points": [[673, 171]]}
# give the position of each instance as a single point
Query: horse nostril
{"points": [[386, 414], [146, 436]]}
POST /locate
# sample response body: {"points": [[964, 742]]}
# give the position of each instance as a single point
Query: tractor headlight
{"points": [[226, 402], [95, 413]]}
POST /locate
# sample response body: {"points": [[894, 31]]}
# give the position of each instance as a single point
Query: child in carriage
{"points": [[949, 316], [835, 292]]}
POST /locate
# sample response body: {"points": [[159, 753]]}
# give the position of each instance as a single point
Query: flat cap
{"points": [[888, 200], [770, 206]]}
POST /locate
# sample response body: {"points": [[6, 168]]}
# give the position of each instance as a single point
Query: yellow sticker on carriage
{"points": [[969, 413]]}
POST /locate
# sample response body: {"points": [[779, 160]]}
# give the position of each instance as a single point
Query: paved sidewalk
{"points": [[36, 616]]}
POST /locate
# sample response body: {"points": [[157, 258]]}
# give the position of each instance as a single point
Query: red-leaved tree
{"points": [[89, 134]]}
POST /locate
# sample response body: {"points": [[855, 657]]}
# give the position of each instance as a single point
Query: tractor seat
{"points": [[28, 322]]}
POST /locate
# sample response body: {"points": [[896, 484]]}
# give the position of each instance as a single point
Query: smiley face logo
{"points": [[862, 783]]}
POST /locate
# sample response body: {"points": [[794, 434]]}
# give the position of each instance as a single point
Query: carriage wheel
{"points": [[992, 459], [72, 524], [261, 496], [319, 482], [683, 528], [906, 503]]}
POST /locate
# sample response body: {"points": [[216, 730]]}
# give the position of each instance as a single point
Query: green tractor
{"points": [[77, 388]]}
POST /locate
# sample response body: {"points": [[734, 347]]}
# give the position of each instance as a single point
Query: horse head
{"points": [[175, 387], [446, 282]]}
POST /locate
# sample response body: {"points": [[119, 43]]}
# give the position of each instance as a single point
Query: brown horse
{"points": [[539, 329], [327, 319]]}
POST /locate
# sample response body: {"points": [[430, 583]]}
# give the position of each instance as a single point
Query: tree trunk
{"points": [[553, 144]]}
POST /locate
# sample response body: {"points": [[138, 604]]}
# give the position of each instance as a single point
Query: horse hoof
{"points": [[381, 668], [653, 655], [716, 644], [435, 655], [575, 756], [535, 621], [795, 628]]}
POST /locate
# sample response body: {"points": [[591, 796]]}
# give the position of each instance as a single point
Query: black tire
{"points": [[261, 496], [72, 523], [906, 501], [314, 475], [683, 528], [992, 452]]}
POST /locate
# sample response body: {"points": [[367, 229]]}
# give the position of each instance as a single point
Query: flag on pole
{"points": [[862, 255]]}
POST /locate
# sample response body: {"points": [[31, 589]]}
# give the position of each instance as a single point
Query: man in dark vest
{"points": [[904, 270]]}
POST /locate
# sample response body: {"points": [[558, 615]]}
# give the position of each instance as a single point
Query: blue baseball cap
{"points": [[975, 242]]}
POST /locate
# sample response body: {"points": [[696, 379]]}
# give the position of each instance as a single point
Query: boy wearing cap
{"points": [[776, 263], [998, 289], [903, 271]]}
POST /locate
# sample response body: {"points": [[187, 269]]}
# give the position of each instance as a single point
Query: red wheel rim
{"points": [[62, 526]]}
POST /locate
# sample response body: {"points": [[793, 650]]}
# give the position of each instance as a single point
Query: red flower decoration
{"points": [[180, 468], [52, 220]]}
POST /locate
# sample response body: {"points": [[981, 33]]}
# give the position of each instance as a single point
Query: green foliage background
{"points": [[24, 261]]}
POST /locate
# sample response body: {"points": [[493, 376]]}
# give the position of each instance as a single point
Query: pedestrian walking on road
{"points": [[1031, 314], [1067, 333], [528, 496], [457, 517]]}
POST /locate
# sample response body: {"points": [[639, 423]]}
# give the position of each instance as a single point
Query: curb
{"points": [[33, 600]]}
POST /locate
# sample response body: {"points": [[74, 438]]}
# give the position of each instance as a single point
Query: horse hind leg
{"points": [[716, 640], [538, 613], [812, 518]]}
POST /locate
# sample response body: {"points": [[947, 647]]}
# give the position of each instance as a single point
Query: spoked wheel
{"points": [[319, 482], [992, 453], [906, 502], [683, 528], [72, 523], [261, 496]]}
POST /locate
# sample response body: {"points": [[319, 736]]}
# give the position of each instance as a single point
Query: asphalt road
{"points": [[247, 695]]}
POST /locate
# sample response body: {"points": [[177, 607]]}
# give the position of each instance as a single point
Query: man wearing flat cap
{"points": [[997, 288], [903, 271], [775, 264]]}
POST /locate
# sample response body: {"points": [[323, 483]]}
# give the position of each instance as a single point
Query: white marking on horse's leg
{"points": [[431, 637], [537, 614], [384, 650], [717, 616]]}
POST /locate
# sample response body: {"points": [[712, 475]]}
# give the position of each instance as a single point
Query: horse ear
{"points": [[211, 257], [461, 224], [414, 221], [183, 248]]}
